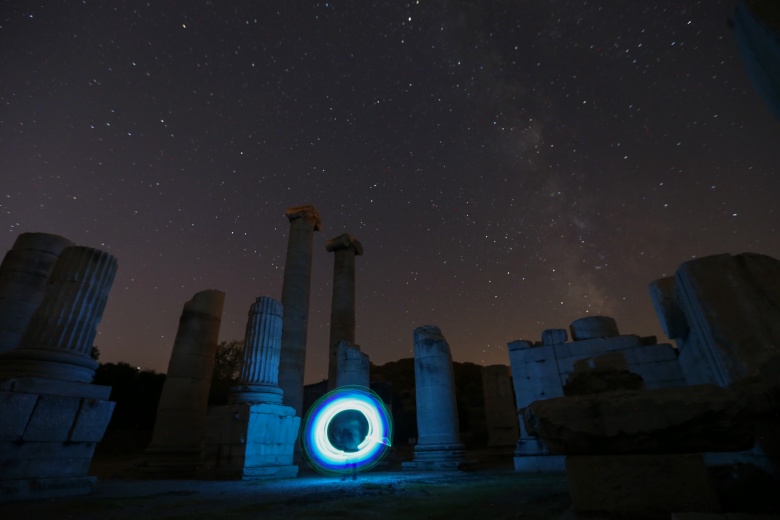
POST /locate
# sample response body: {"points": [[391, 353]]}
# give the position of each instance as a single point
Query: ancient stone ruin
{"points": [[24, 278], [540, 371], [633, 451], [175, 449], [438, 438], [342, 310], [52, 416], [353, 366], [304, 221], [254, 436], [724, 313]]}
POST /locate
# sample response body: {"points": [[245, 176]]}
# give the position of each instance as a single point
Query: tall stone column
{"points": [[438, 434], [181, 413], [259, 378], [24, 278], [304, 221], [342, 308], [254, 436], [59, 338]]}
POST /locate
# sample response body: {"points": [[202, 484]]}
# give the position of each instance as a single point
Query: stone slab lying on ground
{"points": [[663, 420]]}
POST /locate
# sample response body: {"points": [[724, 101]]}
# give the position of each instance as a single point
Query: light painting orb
{"points": [[347, 429]]}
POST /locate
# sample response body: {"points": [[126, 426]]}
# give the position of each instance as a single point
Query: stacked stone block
{"points": [[539, 371], [51, 416], [254, 436]]}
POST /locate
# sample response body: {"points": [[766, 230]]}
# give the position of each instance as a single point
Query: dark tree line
{"points": [[135, 392]]}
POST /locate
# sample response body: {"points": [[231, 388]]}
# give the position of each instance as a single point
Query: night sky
{"points": [[509, 166]]}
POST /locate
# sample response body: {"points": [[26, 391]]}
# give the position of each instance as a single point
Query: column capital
{"points": [[345, 241], [307, 212]]}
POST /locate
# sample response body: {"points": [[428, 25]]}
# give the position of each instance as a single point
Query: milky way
{"points": [[509, 166]]}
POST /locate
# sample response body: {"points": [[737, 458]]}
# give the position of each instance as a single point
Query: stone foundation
{"points": [[251, 441], [48, 435]]}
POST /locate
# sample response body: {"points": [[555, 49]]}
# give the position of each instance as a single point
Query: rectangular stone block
{"points": [[640, 484], [44, 459], [45, 488], [535, 375], [252, 441], [45, 450], [554, 336], [519, 344], [731, 304], [15, 410], [52, 418], [91, 421], [43, 386], [44, 468]]}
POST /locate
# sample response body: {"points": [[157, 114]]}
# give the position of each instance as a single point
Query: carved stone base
{"points": [[540, 464], [47, 440], [251, 441]]}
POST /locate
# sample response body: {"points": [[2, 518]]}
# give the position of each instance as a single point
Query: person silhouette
{"points": [[346, 432]]}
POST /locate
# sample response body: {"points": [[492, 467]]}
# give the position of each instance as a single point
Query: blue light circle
{"points": [[317, 447]]}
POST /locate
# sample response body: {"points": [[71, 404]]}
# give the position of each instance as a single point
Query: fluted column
{"points": [[304, 221], [342, 309], [259, 378], [59, 339], [24, 278]]}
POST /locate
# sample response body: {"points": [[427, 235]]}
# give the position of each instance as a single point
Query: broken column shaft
{"points": [[342, 310]]}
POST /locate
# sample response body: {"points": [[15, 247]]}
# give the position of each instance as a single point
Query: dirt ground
{"points": [[489, 489], [492, 489], [494, 493]]}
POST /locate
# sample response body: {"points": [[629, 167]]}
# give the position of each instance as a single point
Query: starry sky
{"points": [[509, 166]]}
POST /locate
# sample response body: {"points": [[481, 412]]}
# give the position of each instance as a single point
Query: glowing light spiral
{"points": [[317, 442]]}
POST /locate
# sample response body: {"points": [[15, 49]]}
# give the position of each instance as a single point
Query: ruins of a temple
{"points": [[254, 435], [342, 310], [175, 449], [723, 311], [540, 371], [633, 423], [296, 287], [438, 444], [52, 416]]}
